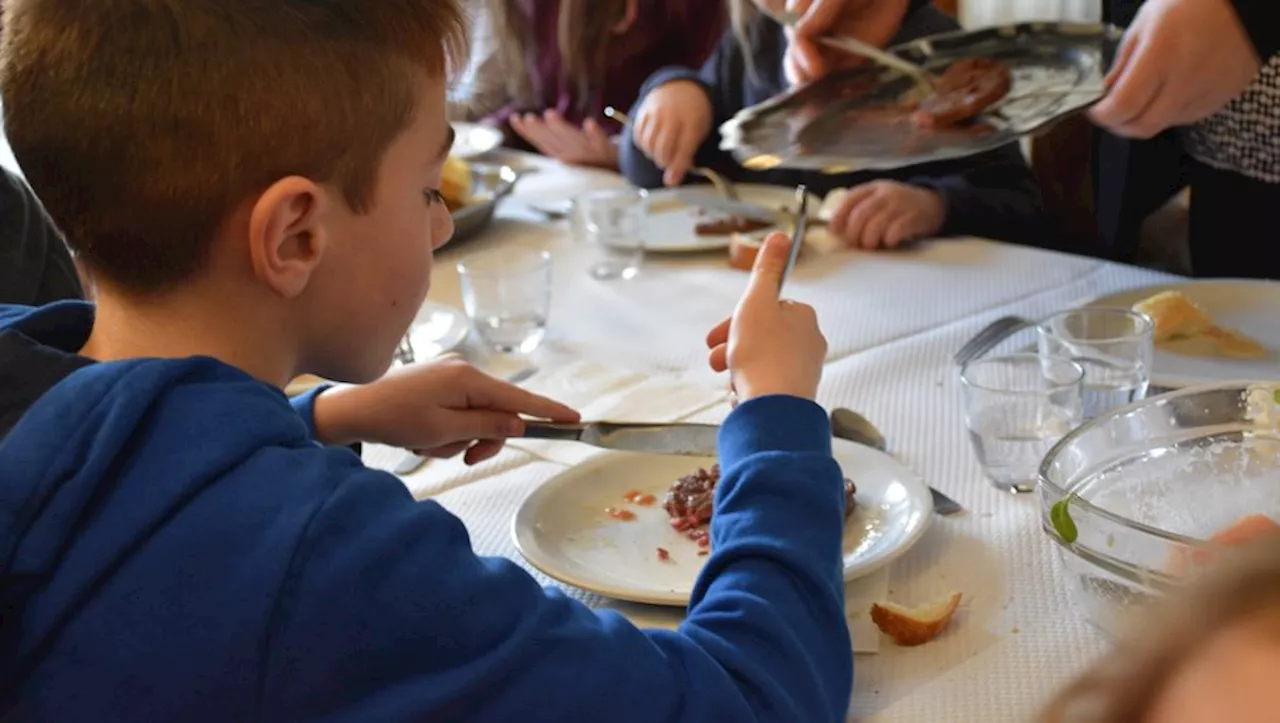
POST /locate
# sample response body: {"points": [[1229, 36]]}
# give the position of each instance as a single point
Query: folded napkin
{"points": [[859, 595], [611, 394]]}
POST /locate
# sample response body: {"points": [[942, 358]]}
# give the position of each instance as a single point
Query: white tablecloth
{"points": [[893, 320]]}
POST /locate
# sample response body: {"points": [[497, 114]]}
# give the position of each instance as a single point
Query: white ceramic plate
{"points": [[437, 329], [562, 527], [674, 214], [1249, 306], [473, 139]]}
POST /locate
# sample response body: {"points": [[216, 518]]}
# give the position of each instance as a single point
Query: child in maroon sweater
{"points": [[553, 66]]}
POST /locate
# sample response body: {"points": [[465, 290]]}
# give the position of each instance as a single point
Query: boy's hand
{"points": [[556, 137], [439, 409], [887, 214], [672, 122], [769, 346]]}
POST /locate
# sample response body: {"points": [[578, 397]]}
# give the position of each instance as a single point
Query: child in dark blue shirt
{"points": [[992, 195], [253, 187]]}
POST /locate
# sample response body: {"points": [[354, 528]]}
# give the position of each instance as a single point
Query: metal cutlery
{"points": [[849, 425], [704, 200], [693, 440], [801, 222], [404, 351], [722, 184], [922, 77], [987, 339]]}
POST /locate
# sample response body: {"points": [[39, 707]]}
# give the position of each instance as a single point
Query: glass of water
{"points": [[614, 221], [1114, 346], [1016, 407], [507, 297]]}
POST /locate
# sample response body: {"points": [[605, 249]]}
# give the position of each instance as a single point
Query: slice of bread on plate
{"points": [[1183, 326]]}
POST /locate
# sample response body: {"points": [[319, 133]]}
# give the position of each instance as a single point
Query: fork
{"points": [[922, 77], [986, 340], [848, 424], [798, 226], [404, 351], [722, 184]]}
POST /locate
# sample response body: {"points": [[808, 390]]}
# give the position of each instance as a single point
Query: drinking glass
{"points": [[614, 221], [1016, 407], [1114, 347], [507, 297]]}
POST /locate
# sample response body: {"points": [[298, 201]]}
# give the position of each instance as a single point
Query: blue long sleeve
{"points": [[305, 405], [387, 614]]}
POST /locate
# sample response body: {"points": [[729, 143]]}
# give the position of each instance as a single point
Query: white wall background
{"points": [[979, 13]]}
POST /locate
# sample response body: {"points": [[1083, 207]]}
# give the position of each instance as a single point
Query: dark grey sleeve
{"points": [[35, 265]]}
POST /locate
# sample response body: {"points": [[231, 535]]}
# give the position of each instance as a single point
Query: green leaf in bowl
{"points": [[1276, 395], [1060, 516]]}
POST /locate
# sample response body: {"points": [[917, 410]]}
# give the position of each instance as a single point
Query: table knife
{"points": [[692, 440]]}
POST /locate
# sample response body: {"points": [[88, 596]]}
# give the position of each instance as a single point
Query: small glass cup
{"points": [[615, 222], [1016, 408], [1114, 346], [507, 297]]}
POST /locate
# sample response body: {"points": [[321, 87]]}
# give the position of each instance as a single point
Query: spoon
{"points": [[721, 183], [848, 424], [923, 78]]}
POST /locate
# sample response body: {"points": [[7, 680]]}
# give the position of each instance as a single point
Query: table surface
{"points": [[893, 321]]}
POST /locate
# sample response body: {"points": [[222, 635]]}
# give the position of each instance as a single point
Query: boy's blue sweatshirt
{"points": [[992, 195], [174, 546]]}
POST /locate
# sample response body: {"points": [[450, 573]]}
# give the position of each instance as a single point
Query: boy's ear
{"points": [[287, 237]]}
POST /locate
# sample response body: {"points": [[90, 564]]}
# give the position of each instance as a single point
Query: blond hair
{"points": [[1125, 685]]}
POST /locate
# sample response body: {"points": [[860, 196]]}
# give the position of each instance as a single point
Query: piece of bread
{"points": [[1175, 316], [914, 626], [455, 182], [1234, 344], [832, 203], [1179, 319]]}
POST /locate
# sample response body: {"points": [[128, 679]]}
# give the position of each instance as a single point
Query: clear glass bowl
{"points": [[1133, 495]]}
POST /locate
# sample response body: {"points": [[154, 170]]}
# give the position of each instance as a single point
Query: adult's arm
{"points": [[1261, 20]]}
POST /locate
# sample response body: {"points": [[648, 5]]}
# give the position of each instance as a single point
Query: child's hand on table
{"points": [[671, 124], [769, 345], [440, 409], [887, 214], [552, 135]]}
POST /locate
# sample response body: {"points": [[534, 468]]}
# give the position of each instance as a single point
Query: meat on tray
{"points": [[965, 89], [729, 225], [689, 501]]}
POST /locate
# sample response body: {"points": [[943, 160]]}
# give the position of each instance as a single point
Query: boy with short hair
{"points": [[251, 186]]}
